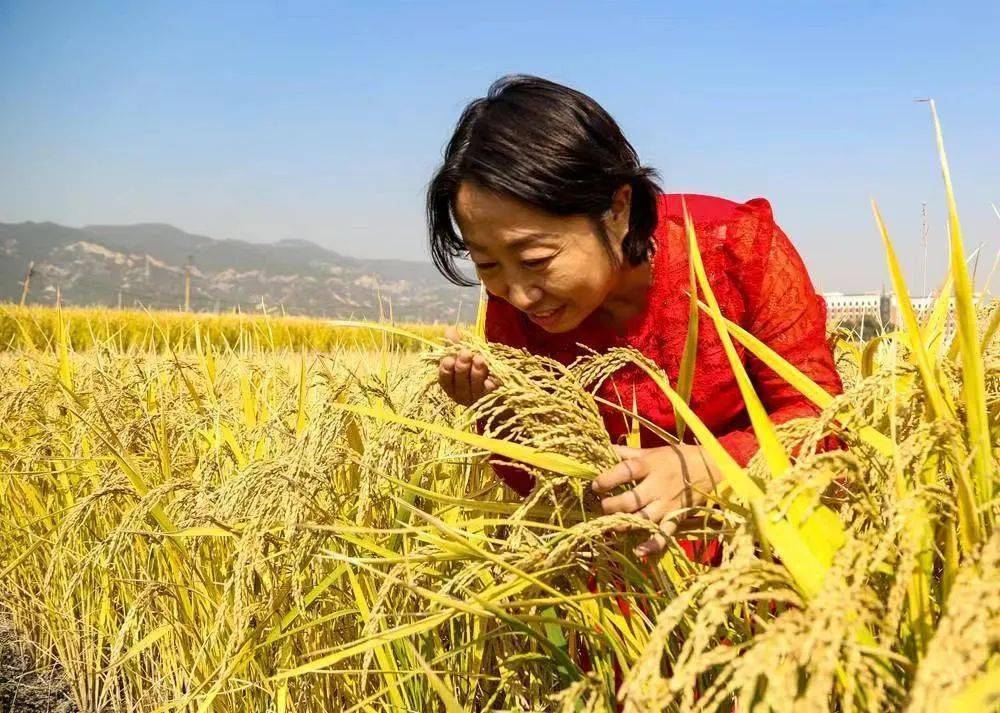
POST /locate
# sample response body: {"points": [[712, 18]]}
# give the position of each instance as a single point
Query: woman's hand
{"points": [[667, 479], [465, 376]]}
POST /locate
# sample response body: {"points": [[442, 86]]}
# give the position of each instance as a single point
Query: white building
{"points": [[922, 308], [883, 308], [841, 307]]}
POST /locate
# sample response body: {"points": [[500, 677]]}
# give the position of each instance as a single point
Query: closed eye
{"points": [[540, 262], [530, 264]]}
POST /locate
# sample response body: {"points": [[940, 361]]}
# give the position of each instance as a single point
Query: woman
{"points": [[575, 243]]}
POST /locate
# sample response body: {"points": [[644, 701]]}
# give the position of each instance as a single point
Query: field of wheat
{"points": [[265, 519]]}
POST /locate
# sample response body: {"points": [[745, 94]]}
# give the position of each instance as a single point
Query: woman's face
{"points": [[553, 268]]}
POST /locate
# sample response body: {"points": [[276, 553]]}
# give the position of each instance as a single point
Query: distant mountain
{"points": [[145, 264]]}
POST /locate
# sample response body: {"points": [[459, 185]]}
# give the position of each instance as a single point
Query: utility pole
{"points": [[187, 285], [27, 281]]}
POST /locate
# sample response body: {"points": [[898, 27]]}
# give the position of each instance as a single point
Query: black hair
{"points": [[548, 145]]}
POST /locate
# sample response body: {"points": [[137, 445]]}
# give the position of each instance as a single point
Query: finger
{"points": [[446, 375], [630, 501], [655, 545], [490, 384], [668, 526], [452, 334], [463, 387], [628, 471], [477, 376], [653, 512], [627, 452]]}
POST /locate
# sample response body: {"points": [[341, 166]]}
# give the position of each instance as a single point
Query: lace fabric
{"points": [[761, 284]]}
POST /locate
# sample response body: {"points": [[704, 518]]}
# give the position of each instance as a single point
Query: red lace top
{"points": [[760, 283]]}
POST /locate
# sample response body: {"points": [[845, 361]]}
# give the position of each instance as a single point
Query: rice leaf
{"points": [[448, 700], [774, 452], [553, 462], [973, 370], [916, 342], [802, 383], [685, 375], [480, 328], [821, 529], [787, 541]]}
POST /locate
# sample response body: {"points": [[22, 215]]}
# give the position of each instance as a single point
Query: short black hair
{"points": [[548, 145]]}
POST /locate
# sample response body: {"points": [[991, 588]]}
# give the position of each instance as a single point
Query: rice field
{"points": [[160, 331], [251, 521]]}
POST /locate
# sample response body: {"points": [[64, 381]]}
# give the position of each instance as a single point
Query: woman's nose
{"points": [[524, 297]]}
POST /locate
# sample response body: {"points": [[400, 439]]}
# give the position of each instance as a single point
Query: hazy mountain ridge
{"points": [[145, 264]]}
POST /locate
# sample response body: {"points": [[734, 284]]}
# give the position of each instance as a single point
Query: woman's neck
{"points": [[628, 298]]}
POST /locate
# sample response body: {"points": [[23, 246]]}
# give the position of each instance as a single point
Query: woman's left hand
{"points": [[667, 479]]}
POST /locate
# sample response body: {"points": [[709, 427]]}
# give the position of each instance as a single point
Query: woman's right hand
{"points": [[465, 377]]}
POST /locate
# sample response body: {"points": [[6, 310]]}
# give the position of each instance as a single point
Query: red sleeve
{"points": [[783, 311], [503, 325]]}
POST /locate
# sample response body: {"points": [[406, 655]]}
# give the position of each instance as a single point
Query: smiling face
{"points": [[553, 268]]}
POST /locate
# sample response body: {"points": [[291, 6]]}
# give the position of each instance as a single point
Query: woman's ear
{"points": [[617, 216]]}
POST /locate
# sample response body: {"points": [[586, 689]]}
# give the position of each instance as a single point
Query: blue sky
{"points": [[324, 121]]}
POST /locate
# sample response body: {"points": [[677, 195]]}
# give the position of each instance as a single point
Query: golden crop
{"points": [[126, 330], [243, 524]]}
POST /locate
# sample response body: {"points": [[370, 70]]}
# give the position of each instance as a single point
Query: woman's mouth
{"points": [[547, 318]]}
